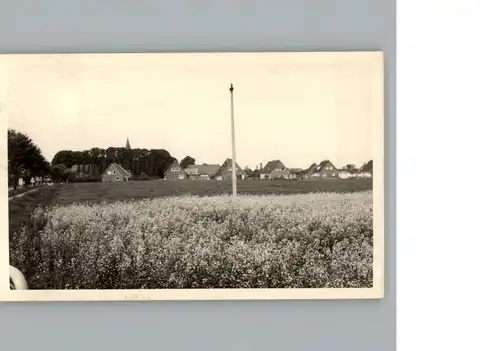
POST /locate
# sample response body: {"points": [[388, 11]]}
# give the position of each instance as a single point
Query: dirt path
{"points": [[27, 192]]}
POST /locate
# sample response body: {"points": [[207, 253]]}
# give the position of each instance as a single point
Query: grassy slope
{"points": [[110, 192], [23, 190], [20, 209]]}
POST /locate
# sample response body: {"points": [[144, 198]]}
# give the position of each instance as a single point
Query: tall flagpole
{"points": [[233, 142]]}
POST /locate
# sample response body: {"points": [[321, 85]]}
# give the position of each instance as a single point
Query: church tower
{"points": [[127, 145]]}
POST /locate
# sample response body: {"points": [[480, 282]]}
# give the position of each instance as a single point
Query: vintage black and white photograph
{"points": [[192, 176]]}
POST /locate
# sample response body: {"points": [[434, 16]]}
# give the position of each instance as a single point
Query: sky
{"points": [[299, 108]]}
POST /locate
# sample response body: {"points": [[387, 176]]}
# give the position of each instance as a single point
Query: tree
{"points": [[62, 157], [24, 157], [350, 167], [255, 173], [59, 172], [160, 161], [187, 161]]}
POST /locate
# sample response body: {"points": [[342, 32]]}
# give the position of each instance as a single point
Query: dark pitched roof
{"points": [[271, 166], [174, 164], [205, 169], [226, 164], [123, 170], [120, 169], [324, 164], [367, 167], [310, 168]]}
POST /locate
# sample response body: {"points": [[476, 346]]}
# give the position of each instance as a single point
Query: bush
{"points": [[301, 241]]}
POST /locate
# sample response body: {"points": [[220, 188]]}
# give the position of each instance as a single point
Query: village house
{"points": [[345, 173], [115, 173], [175, 171], [295, 173], [280, 173], [225, 172], [271, 166], [203, 171], [326, 169], [307, 173], [361, 174], [366, 171]]}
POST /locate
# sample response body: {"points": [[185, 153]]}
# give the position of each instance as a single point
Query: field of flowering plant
{"points": [[288, 241]]}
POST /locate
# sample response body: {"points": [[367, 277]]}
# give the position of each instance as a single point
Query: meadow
{"points": [[134, 190], [138, 235]]}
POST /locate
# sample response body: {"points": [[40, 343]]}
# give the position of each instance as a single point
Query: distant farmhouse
{"points": [[345, 173], [271, 166], [175, 171], [280, 173], [366, 171], [116, 173], [203, 171], [295, 173], [307, 173], [225, 172], [325, 169]]}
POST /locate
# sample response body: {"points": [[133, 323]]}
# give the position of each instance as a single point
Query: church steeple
{"points": [[127, 145]]}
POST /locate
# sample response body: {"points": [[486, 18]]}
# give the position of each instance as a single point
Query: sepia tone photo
{"points": [[192, 176]]}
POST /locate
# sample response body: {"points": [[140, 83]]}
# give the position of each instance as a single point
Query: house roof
{"points": [[209, 170], [226, 164], [314, 164], [123, 170], [174, 164], [120, 169], [310, 168], [324, 164], [272, 165]]}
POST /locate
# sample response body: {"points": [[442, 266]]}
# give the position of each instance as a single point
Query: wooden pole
{"points": [[233, 141]]}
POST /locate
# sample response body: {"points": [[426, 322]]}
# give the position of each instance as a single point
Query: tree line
{"points": [[151, 163], [26, 161]]}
